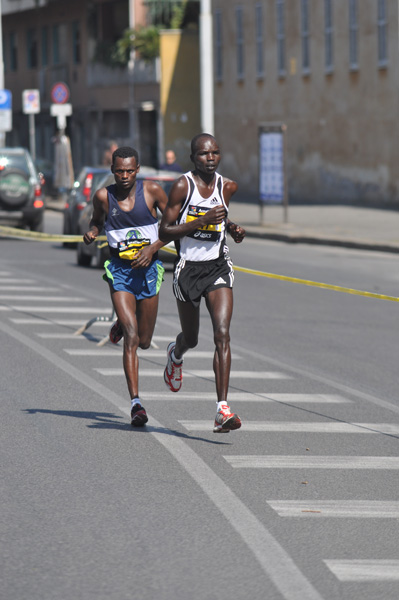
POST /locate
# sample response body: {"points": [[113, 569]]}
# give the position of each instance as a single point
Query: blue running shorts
{"points": [[142, 283]]}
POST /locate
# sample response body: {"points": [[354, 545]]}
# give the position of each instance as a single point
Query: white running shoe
{"points": [[173, 374]]}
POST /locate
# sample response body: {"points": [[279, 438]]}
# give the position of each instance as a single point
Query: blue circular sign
{"points": [[60, 93]]}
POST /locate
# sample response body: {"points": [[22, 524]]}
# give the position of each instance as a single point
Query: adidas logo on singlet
{"points": [[214, 201], [219, 281]]}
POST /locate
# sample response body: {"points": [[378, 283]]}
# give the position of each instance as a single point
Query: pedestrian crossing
{"points": [[68, 314]]}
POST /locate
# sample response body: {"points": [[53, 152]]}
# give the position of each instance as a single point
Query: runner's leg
{"points": [[125, 307], [219, 303], [189, 321]]}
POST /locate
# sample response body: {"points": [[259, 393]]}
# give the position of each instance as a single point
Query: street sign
{"points": [[61, 111], [60, 93], [31, 102], [5, 110]]}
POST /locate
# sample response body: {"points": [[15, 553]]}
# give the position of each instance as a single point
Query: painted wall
{"points": [[180, 91], [342, 125]]}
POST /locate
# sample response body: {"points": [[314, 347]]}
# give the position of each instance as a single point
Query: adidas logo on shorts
{"points": [[219, 281]]}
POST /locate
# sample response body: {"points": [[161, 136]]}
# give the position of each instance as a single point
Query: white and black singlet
{"points": [[203, 263]]}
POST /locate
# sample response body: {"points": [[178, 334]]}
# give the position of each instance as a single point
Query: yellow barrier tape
{"points": [[48, 237], [13, 232]]}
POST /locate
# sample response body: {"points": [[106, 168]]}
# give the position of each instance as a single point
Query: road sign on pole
{"points": [[60, 93], [31, 102], [5, 110]]}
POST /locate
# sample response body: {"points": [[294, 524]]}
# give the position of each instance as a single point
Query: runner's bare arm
{"points": [[169, 230], [100, 209], [236, 231]]}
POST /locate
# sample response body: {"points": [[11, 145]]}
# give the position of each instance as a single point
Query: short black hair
{"points": [[125, 152], [195, 140]]}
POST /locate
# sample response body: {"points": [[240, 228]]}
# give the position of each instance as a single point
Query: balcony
{"points": [[99, 75]]}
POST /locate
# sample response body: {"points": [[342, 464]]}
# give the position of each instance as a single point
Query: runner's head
{"points": [[125, 152], [205, 154]]}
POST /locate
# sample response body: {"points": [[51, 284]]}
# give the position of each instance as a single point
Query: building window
{"points": [[353, 36], [13, 52], [44, 46], [76, 43], [31, 49], [259, 40], [218, 46], [240, 42], [382, 34], [280, 37], [56, 44], [328, 36], [305, 36]]}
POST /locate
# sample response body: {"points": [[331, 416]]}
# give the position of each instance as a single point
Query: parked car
{"points": [[77, 198], [99, 250], [22, 202]]}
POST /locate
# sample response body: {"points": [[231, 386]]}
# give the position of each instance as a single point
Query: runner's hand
{"points": [[237, 232]]}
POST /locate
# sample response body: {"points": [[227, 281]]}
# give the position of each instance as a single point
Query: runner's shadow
{"points": [[106, 421]]}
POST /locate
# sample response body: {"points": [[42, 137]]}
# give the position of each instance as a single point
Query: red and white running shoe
{"points": [[226, 421], [138, 416], [173, 374], [116, 332]]}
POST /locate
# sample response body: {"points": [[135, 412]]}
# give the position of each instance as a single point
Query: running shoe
{"points": [[116, 333], [173, 374], [138, 415], [225, 421]]}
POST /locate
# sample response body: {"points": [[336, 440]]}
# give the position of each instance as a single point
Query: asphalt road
{"points": [[299, 504]]}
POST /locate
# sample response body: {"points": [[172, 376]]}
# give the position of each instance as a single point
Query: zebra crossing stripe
{"points": [[27, 288], [200, 373], [297, 427], [313, 462], [363, 509], [63, 322], [64, 309], [42, 298], [249, 397], [364, 570], [143, 353]]}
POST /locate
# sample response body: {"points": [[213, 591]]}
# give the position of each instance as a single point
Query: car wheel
{"points": [[14, 187], [84, 260], [67, 231], [37, 225]]}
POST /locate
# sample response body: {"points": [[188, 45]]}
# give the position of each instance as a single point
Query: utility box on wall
{"points": [[180, 91]]}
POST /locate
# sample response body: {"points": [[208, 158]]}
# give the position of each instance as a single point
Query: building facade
{"points": [[328, 69], [70, 41]]}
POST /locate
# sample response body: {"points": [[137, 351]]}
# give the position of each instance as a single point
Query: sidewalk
{"points": [[346, 226]]}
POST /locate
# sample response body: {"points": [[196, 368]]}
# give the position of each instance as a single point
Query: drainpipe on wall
{"points": [[206, 68], [2, 133]]}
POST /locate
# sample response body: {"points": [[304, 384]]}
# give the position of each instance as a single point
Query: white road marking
{"points": [[24, 297], [313, 462], [5, 308], [64, 309], [27, 288], [271, 556], [17, 280], [363, 509], [61, 336], [364, 570], [246, 397], [297, 427], [306, 398], [199, 373], [118, 349], [67, 322]]}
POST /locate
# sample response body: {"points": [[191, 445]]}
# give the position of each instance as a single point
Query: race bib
{"points": [[128, 249], [210, 233]]}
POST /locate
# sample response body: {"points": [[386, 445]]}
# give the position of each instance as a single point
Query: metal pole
{"points": [[32, 137], [2, 133], [206, 68], [133, 120]]}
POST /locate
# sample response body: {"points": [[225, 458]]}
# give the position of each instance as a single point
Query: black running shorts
{"points": [[192, 280]]}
